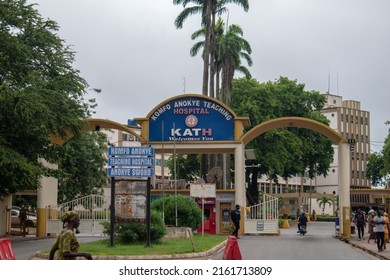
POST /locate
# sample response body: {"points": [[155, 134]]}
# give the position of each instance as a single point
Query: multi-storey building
{"points": [[347, 118]]}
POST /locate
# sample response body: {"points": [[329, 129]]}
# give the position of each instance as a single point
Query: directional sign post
{"points": [[134, 162]]}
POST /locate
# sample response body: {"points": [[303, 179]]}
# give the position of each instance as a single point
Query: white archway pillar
{"points": [[239, 182], [46, 196], [5, 206], [344, 189], [239, 175]]}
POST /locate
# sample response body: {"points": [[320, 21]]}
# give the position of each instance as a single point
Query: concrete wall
{"points": [[5, 218]]}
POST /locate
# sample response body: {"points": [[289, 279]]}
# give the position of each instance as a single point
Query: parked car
{"points": [[15, 221]]}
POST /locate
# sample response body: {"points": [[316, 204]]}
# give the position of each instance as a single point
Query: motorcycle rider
{"points": [[302, 221]]}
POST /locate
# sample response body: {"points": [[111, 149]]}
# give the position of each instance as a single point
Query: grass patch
{"points": [[165, 247]]}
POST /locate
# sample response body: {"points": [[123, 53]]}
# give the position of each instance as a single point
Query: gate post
{"points": [[46, 196], [239, 183], [344, 189]]}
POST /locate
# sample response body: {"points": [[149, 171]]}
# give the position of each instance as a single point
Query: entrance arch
{"points": [[343, 157], [48, 193], [232, 140], [95, 124], [298, 122]]}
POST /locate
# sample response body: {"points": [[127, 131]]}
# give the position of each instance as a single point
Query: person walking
{"points": [[235, 215], [360, 222], [314, 214], [379, 221], [387, 230], [371, 225]]}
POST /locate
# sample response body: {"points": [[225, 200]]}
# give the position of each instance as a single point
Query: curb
{"points": [[371, 252], [379, 256], [200, 255]]}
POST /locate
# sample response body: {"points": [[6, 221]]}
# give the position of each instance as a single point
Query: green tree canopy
{"points": [[187, 166], [374, 169], [386, 155], [40, 94], [81, 168], [378, 167]]}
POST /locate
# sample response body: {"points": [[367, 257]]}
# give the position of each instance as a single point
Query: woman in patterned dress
{"points": [[66, 243]]}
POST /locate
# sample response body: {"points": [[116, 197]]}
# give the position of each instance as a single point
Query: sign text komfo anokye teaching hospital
{"points": [[191, 119]]}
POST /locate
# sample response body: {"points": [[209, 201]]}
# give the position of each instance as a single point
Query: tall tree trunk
{"points": [[206, 50], [212, 56], [204, 166], [227, 81]]}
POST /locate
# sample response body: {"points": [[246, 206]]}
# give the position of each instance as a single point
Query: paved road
{"points": [[318, 244]]}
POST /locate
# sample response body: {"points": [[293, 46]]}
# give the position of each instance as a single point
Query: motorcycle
{"points": [[302, 230]]}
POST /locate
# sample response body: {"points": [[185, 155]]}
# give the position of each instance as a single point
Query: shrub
{"points": [[325, 218], [188, 212]]}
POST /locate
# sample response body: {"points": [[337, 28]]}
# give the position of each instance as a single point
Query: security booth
{"points": [[209, 224]]}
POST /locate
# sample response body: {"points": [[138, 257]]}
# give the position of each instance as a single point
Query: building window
{"points": [[128, 137]]}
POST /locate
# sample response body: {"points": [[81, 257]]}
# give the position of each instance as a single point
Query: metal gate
{"points": [[263, 218], [93, 210]]}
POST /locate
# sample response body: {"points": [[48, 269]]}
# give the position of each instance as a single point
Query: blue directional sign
{"points": [[130, 172], [131, 161], [130, 151]]}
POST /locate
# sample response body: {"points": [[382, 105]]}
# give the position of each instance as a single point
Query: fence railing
{"points": [[266, 210], [92, 209]]}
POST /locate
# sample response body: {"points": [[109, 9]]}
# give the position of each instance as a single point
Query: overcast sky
{"points": [[131, 50]]}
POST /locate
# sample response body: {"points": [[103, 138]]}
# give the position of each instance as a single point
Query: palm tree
{"points": [[204, 8], [199, 45], [208, 10], [231, 49], [322, 201]]}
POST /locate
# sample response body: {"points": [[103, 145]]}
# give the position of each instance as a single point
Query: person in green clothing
{"points": [[66, 243]]}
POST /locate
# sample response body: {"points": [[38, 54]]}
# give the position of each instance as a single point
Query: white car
{"points": [[15, 221]]}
